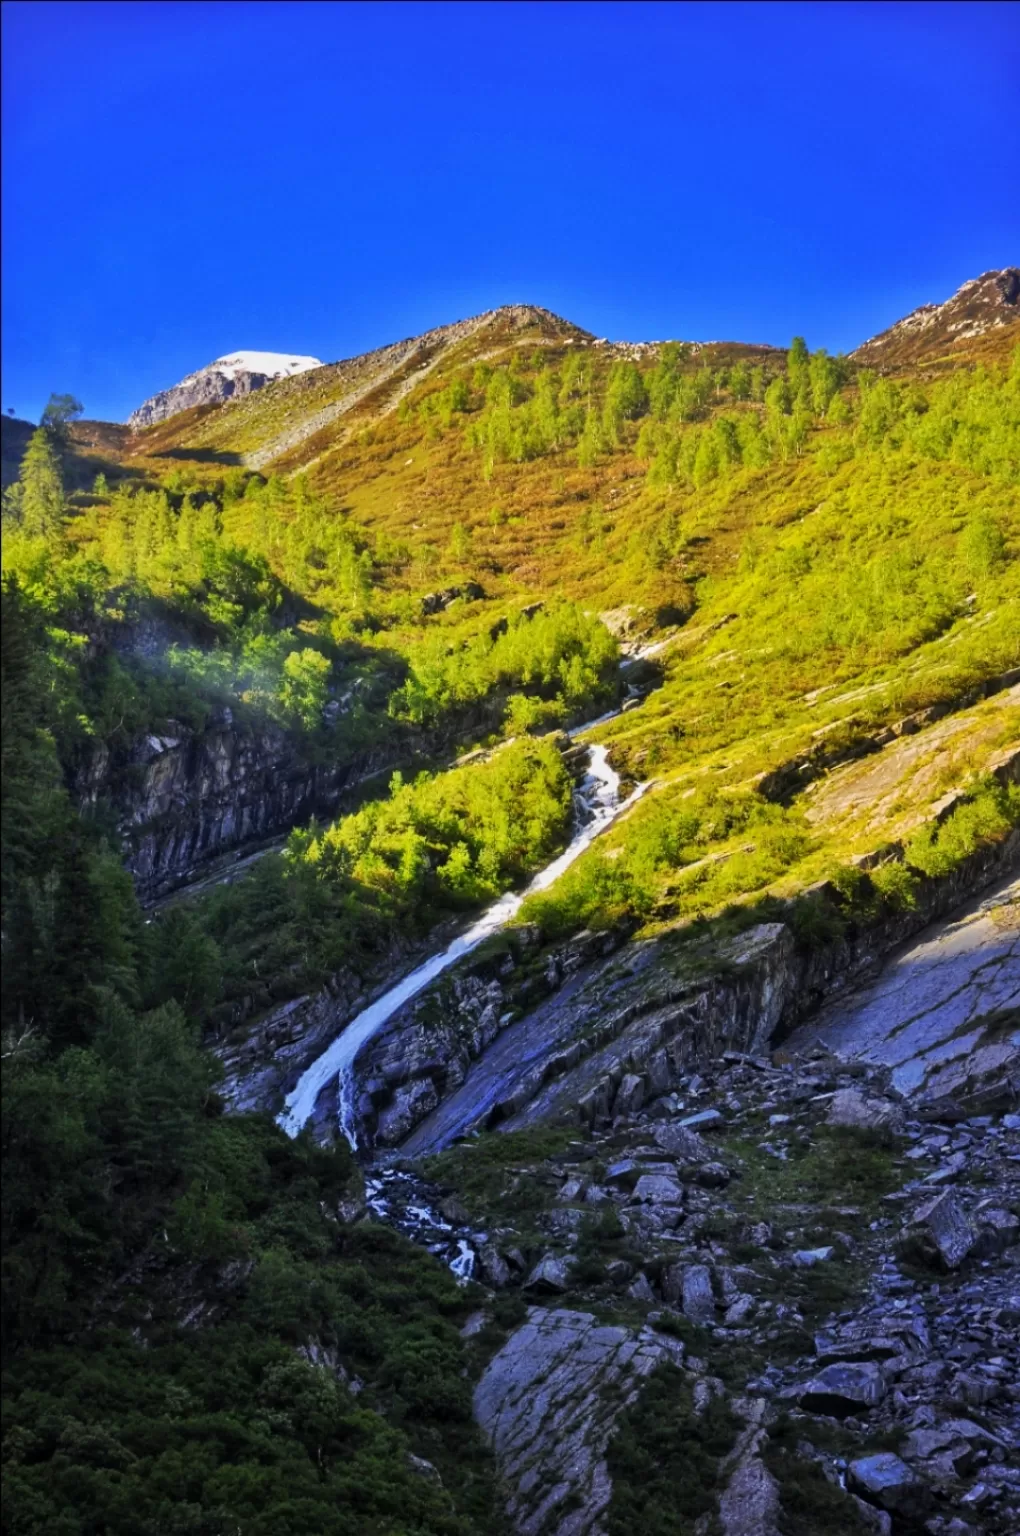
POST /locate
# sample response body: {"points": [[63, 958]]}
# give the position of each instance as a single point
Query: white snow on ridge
{"points": [[276, 365]]}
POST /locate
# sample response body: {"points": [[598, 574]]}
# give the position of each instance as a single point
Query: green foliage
{"points": [[60, 409], [624, 877], [664, 1459], [38, 507], [452, 839], [559, 653], [985, 816], [161, 1263]]}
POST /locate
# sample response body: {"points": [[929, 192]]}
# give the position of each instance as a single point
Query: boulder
{"points": [[696, 1294], [843, 1389], [713, 1175], [885, 1480], [850, 1109], [657, 1189], [739, 1310], [549, 1274], [997, 1231], [682, 1142], [493, 1269], [945, 1233], [807, 1258], [640, 1290], [704, 1120], [629, 1096]]}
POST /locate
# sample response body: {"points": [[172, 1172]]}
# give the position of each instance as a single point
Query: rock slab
{"points": [[548, 1402]]}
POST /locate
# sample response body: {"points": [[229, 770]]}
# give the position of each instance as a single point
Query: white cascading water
{"points": [[598, 804]]}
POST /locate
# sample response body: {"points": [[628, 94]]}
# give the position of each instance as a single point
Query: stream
{"points": [[397, 1197], [597, 804]]}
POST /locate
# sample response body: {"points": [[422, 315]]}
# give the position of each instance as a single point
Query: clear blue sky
{"points": [[182, 180]]}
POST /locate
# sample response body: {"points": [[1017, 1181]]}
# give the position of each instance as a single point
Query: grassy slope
{"points": [[828, 594]]}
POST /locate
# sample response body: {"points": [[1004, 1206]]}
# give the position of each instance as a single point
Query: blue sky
{"points": [[183, 180]]}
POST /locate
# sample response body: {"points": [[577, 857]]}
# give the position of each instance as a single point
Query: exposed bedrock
{"points": [[187, 797], [548, 1403], [599, 1025]]}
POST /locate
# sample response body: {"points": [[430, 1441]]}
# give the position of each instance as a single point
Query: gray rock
{"points": [[807, 1258], [454, 1211], [548, 1403], [682, 1142], [843, 1389], [713, 1175], [493, 1269], [997, 1230], [640, 1290], [922, 1443], [875, 1520], [696, 1294], [549, 1274], [657, 1189], [704, 1120], [749, 1503], [624, 1174], [885, 1480], [411, 1102], [945, 1231], [850, 1109], [630, 1095]]}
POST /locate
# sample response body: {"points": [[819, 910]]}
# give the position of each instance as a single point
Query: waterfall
{"points": [[597, 804]]}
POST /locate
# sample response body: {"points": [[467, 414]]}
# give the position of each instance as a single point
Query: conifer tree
{"points": [[42, 487]]}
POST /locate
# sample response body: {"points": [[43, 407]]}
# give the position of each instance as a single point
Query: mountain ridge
{"points": [[981, 305]]}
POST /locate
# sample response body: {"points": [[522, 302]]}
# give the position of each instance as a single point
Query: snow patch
{"points": [[275, 365]]}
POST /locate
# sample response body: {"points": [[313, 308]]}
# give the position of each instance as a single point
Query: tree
{"points": [[460, 544], [60, 410], [42, 487], [626, 395], [305, 686], [798, 361], [824, 375]]}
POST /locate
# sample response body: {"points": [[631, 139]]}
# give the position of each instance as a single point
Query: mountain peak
{"points": [[236, 374], [982, 304]]}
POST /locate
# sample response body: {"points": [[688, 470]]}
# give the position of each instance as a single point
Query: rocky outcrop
{"points": [[524, 1035], [548, 1403], [228, 378], [183, 797]]}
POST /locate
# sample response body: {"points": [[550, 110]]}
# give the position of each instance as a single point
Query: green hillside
{"points": [[440, 547]]}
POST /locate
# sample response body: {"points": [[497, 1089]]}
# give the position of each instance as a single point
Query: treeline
{"points": [[699, 424]]}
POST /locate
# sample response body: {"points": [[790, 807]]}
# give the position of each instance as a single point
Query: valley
{"points": [[511, 989]]}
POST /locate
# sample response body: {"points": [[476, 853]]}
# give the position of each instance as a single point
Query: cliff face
{"points": [[474, 1051], [183, 799]]}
